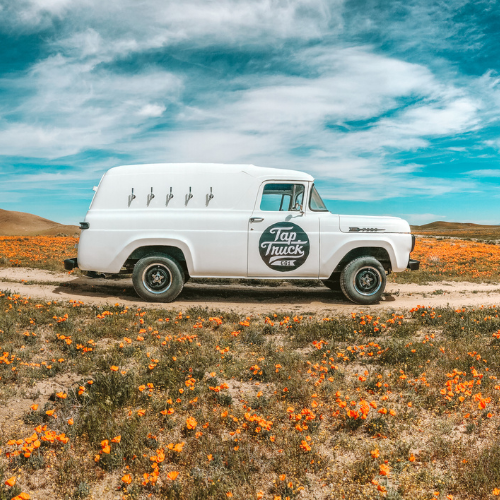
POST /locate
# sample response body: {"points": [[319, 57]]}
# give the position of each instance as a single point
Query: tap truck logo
{"points": [[284, 246]]}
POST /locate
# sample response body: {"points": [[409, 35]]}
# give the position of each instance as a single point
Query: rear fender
{"points": [[146, 246]]}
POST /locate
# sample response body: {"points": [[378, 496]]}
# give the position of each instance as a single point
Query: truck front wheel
{"points": [[158, 278], [363, 280]]}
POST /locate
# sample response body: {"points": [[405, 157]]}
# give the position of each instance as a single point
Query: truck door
{"points": [[283, 236]]}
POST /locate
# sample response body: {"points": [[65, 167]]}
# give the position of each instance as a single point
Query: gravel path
{"points": [[50, 285]]}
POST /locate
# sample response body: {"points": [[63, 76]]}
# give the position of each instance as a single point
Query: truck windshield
{"points": [[315, 201]]}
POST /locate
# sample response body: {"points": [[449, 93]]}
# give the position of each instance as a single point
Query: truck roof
{"points": [[197, 169]]}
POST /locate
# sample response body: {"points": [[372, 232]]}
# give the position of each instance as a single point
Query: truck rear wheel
{"points": [[158, 278], [363, 280]]}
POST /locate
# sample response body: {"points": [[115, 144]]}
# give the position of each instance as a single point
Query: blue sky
{"points": [[393, 106]]}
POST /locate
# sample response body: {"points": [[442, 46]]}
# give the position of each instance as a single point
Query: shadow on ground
{"points": [[122, 289]]}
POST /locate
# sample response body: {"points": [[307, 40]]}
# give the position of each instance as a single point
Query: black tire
{"points": [[158, 278], [363, 280], [333, 283]]}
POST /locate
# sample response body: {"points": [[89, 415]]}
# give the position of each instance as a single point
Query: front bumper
{"points": [[413, 265], [70, 264]]}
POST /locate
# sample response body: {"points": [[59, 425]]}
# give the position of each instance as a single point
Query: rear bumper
{"points": [[70, 264], [413, 265]]}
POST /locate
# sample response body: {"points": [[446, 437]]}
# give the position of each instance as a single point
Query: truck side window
{"points": [[282, 197]]}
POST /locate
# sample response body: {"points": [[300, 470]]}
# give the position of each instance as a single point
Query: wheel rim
{"points": [[157, 278], [367, 281]]}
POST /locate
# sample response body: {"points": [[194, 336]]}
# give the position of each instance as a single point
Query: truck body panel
{"points": [[216, 216]]}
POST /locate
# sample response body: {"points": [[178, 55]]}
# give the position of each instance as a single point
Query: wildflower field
{"points": [[210, 405], [43, 252], [441, 259], [453, 260]]}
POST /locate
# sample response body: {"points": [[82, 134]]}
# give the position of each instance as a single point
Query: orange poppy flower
{"points": [[172, 475], [384, 470], [11, 481], [191, 423], [127, 479], [178, 447], [114, 368]]}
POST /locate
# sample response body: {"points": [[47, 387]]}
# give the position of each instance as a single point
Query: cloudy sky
{"points": [[393, 106]]}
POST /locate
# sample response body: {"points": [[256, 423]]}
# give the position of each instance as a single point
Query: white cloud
{"points": [[492, 172], [340, 119], [76, 105], [152, 110], [444, 118], [264, 123], [33, 12], [129, 26]]}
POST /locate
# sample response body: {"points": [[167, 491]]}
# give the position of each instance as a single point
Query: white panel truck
{"points": [[165, 223]]}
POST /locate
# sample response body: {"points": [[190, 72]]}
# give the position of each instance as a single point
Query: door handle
{"points": [[256, 219]]}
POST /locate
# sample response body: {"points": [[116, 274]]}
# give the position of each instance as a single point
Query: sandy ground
{"points": [[243, 299]]}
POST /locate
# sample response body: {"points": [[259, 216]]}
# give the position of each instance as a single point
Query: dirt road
{"points": [[49, 285]]}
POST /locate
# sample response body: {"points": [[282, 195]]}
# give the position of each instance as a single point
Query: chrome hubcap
{"points": [[368, 281], [157, 278]]}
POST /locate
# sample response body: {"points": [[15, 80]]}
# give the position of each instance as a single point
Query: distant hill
{"points": [[447, 226], [23, 224]]}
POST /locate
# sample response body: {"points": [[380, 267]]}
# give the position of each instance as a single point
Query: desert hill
{"points": [[23, 224], [468, 230], [442, 225]]}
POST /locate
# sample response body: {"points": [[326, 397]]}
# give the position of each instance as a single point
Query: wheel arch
{"points": [[378, 252], [177, 250]]}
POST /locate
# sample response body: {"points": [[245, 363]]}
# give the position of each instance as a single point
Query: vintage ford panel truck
{"points": [[165, 223]]}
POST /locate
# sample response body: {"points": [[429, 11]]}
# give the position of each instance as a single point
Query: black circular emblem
{"points": [[284, 246]]}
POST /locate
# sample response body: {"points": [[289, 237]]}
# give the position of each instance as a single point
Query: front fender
{"points": [[398, 247]]}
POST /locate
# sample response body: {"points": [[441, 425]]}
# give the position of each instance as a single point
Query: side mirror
{"points": [[297, 208]]}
